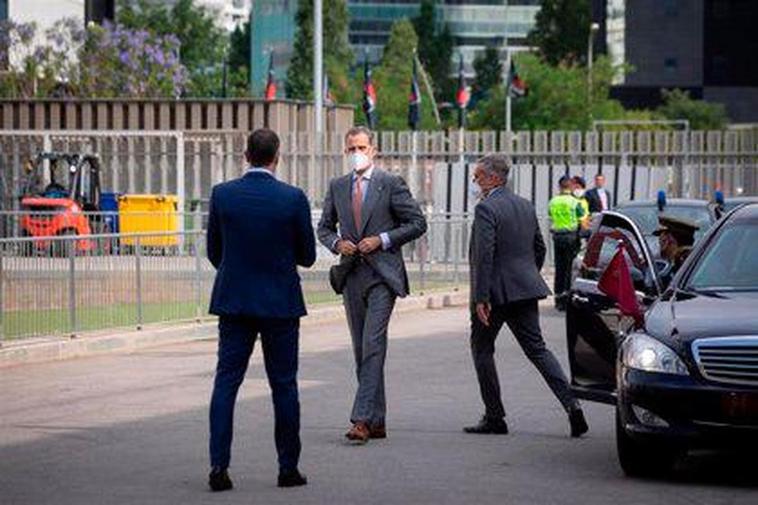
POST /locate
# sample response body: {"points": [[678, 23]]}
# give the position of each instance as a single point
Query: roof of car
{"points": [[693, 202], [749, 211]]}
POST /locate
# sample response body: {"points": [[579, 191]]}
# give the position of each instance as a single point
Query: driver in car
{"points": [[676, 237]]}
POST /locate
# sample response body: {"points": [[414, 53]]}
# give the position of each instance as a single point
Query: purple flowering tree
{"points": [[100, 61]]}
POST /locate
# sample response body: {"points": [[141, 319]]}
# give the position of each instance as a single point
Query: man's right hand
{"points": [[346, 248]]}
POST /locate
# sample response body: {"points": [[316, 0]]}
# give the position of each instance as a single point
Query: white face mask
{"points": [[578, 193], [475, 191], [358, 162]]}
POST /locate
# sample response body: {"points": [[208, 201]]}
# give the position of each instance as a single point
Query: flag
{"points": [[462, 96], [369, 96], [414, 100], [516, 86], [270, 93], [327, 93], [616, 282]]}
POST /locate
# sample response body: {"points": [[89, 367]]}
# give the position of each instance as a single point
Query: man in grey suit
{"points": [[368, 216], [506, 254]]}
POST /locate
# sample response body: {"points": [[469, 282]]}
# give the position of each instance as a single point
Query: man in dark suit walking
{"points": [[368, 216], [598, 198], [506, 254], [259, 231]]}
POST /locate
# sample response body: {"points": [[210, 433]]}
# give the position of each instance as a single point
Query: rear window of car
{"points": [[731, 262], [646, 217]]}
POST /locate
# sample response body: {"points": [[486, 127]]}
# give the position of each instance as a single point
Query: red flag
{"points": [[270, 93], [616, 282]]}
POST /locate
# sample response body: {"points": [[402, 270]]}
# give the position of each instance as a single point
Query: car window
{"points": [[603, 244], [731, 262], [646, 217]]}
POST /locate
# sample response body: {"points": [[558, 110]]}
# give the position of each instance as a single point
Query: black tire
{"points": [[639, 459], [64, 248]]}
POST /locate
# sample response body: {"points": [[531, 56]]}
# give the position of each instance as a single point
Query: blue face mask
{"points": [[475, 191]]}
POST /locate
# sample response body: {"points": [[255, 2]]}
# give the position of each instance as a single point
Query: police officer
{"points": [[580, 191], [566, 213], [675, 238]]}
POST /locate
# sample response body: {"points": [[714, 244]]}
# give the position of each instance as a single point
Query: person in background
{"points": [[598, 197], [565, 213], [580, 187], [676, 237]]}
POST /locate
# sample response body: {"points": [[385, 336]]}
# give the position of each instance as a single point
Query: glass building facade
{"points": [[273, 29]]}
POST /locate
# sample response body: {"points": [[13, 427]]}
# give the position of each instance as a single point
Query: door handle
{"points": [[580, 299]]}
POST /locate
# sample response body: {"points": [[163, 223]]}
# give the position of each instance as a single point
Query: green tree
{"points": [[489, 72], [435, 50], [337, 53], [561, 30], [239, 60], [203, 45], [392, 79], [701, 115], [557, 100]]}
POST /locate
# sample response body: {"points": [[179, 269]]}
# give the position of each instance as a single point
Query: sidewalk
{"points": [[36, 350]]}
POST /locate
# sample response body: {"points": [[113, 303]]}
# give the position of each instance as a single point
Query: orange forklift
{"points": [[55, 206]]}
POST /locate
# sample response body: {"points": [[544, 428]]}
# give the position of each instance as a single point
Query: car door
{"points": [[594, 325]]}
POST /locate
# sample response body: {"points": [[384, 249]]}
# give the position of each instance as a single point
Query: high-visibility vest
{"points": [[565, 211]]}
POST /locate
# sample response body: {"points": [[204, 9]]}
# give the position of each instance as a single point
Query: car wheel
{"points": [[639, 459]]}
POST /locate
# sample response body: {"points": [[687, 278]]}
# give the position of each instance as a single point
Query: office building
{"points": [[706, 47]]}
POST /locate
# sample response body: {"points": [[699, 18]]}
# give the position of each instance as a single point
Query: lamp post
{"points": [[318, 54], [594, 27]]}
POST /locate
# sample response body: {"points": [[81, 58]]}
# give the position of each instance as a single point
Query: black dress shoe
{"points": [[578, 424], [293, 478], [488, 427], [219, 480]]}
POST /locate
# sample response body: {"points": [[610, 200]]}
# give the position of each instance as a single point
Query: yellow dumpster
{"points": [[148, 214]]}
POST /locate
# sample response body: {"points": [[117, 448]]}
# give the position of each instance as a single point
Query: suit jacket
{"points": [[507, 251], [593, 199], [388, 208], [259, 231]]}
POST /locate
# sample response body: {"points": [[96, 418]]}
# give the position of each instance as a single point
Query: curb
{"points": [[94, 344]]}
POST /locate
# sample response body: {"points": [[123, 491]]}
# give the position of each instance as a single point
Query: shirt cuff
{"points": [[386, 242], [334, 244]]}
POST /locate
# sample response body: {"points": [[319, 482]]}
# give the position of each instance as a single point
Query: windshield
{"points": [[730, 264], [646, 217]]}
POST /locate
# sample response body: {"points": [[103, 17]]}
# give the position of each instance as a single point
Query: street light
{"points": [[594, 27]]}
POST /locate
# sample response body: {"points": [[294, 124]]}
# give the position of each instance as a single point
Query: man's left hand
{"points": [[483, 311], [369, 245]]}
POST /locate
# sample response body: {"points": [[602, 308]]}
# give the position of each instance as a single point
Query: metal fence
{"points": [[436, 164], [56, 286]]}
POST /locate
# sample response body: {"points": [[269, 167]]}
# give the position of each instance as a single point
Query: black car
{"points": [[728, 204], [688, 376], [645, 214]]}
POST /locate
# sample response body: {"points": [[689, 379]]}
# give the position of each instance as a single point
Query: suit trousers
{"points": [[237, 336], [368, 304], [522, 318], [565, 248]]}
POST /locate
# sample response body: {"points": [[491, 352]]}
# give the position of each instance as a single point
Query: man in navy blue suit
{"points": [[259, 231]]}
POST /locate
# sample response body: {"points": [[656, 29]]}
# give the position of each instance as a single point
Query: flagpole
{"points": [[508, 89], [318, 57]]}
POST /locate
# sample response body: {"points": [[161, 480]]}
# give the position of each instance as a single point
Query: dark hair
{"points": [[360, 130], [262, 147], [564, 182], [497, 164], [579, 181]]}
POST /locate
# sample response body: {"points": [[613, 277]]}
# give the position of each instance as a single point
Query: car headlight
{"points": [[649, 355]]}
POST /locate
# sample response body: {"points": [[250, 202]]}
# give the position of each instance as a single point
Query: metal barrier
{"points": [[66, 285]]}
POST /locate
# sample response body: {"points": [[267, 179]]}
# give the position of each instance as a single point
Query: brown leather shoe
{"points": [[358, 433], [379, 431]]}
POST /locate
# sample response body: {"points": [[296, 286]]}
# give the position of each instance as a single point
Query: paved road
{"points": [[131, 429]]}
